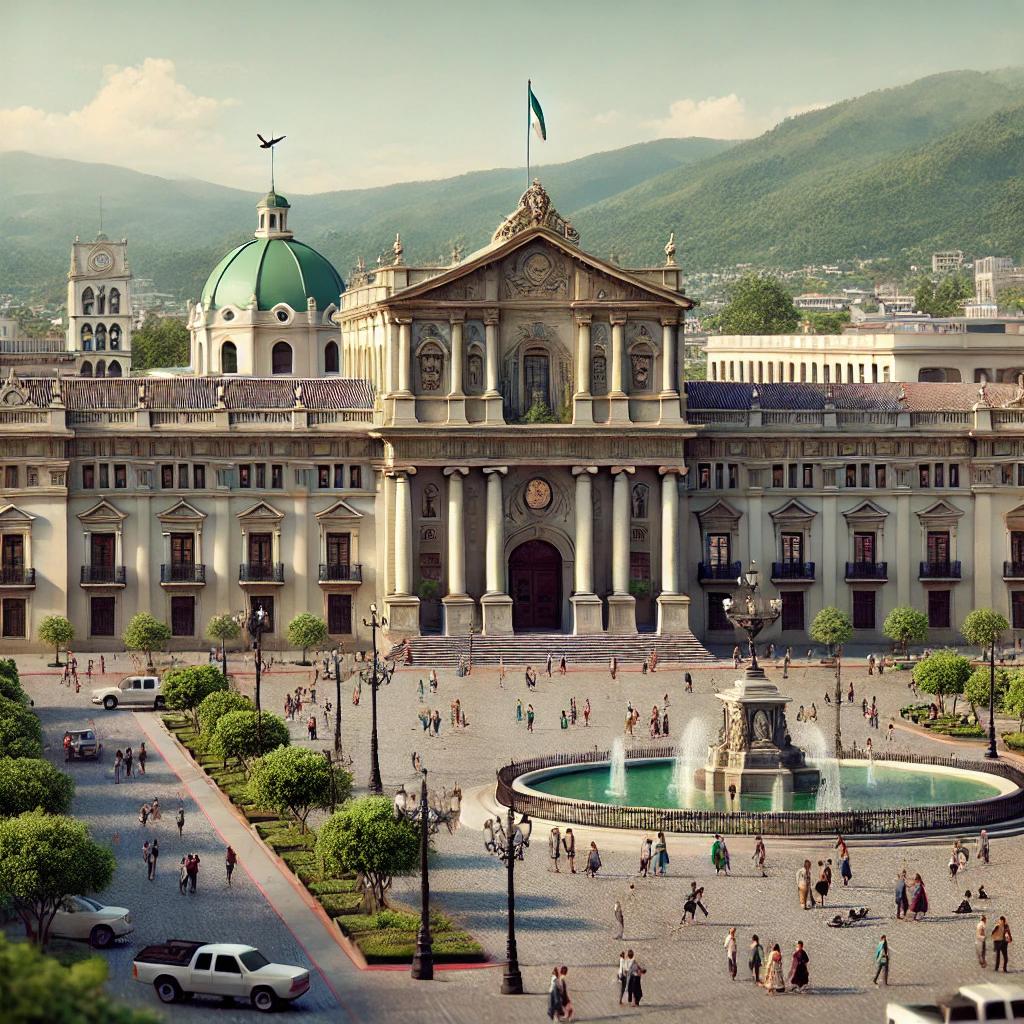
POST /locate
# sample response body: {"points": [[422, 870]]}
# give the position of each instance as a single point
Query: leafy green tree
{"points": [[56, 631], [144, 633], [217, 704], [223, 628], [44, 859], [831, 627], [976, 688], [1011, 300], [946, 298], [306, 630], [943, 674], [237, 737], [29, 782], [10, 682], [185, 689], [160, 341], [365, 837], [297, 780], [983, 626], [1013, 699], [823, 322], [21, 735], [35, 988], [758, 305], [905, 625]]}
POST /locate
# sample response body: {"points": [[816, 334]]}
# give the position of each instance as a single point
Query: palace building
{"points": [[503, 445]]}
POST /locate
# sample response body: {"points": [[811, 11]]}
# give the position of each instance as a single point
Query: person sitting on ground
{"points": [[965, 906], [982, 895]]}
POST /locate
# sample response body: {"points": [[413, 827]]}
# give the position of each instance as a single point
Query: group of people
{"points": [[653, 856], [188, 873], [431, 721], [124, 761]]}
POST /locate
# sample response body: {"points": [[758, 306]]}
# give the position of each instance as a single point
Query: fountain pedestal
{"points": [[754, 751]]}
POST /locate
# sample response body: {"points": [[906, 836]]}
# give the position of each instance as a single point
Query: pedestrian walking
{"points": [[718, 854], [664, 723], [882, 961], [954, 867], [142, 758], [798, 975], [555, 996], [567, 1009], [759, 856], [982, 853], [586, 714], [129, 757], [803, 885], [69, 747], [547, 665], [555, 847], [563, 666], [786, 661], [823, 883], [844, 860], [118, 766], [730, 952], [154, 809], [593, 861], [613, 666], [918, 899], [900, 896], [311, 727], [889, 731], [1001, 939], [736, 656], [980, 937], [660, 855], [634, 985], [437, 723], [501, 672], [755, 958], [646, 848], [623, 975], [145, 853], [230, 860], [144, 814], [569, 845], [529, 718], [773, 980], [564, 720], [154, 854], [688, 679], [519, 710], [183, 875], [694, 901], [193, 871], [180, 820], [619, 922], [103, 665]]}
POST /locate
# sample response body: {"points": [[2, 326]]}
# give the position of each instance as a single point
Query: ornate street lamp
{"points": [[509, 845], [337, 706], [430, 814], [379, 674], [258, 623], [751, 612]]}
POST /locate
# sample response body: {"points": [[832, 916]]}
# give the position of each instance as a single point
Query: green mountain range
{"points": [[938, 163]]}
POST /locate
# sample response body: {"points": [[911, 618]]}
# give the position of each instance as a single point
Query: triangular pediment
{"points": [[940, 510], [103, 512], [793, 510], [11, 514], [181, 511], [341, 509], [1014, 519], [864, 511], [720, 511], [261, 510]]}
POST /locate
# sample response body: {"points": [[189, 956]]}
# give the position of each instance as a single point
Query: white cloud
{"points": [[720, 117], [141, 117]]}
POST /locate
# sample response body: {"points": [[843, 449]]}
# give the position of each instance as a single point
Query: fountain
{"points": [[778, 795], [830, 794], [690, 755], [617, 769], [871, 766]]}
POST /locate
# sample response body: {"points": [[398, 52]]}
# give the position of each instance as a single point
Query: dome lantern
{"points": [[272, 216]]}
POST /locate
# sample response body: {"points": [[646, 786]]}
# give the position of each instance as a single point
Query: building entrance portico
{"points": [[535, 572]]}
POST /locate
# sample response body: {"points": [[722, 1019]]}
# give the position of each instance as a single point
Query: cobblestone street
{"points": [[561, 919]]}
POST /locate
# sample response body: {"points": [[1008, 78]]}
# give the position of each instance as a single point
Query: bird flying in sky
{"points": [[265, 144]]}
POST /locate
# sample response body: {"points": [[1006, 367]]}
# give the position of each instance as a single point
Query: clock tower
{"points": [[99, 308]]}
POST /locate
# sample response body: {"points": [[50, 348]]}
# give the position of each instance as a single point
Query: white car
{"points": [[987, 1001], [131, 692], [83, 918]]}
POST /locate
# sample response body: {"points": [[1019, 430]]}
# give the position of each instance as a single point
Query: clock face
{"points": [[100, 260], [538, 494]]}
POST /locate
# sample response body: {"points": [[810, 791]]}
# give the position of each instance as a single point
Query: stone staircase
{"points": [[533, 649]]}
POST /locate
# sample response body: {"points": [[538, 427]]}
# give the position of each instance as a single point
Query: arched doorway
{"points": [[535, 575]]}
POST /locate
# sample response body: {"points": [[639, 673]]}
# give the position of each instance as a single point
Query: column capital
{"points": [[449, 470], [580, 470], [678, 470], [616, 470], [617, 318], [457, 317], [398, 471], [404, 321], [502, 470], [492, 316], [584, 319], [670, 321]]}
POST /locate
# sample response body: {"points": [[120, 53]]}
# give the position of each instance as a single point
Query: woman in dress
{"points": [[798, 976], [555, 996], [918, 899], [593, 861], [660, 855], [773, 981]]}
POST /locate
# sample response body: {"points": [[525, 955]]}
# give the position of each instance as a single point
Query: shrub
{"points": [[944, 673], [832, 628], [306, 630], [186, 688], [56, 631], [1014, 740], [238, 738], [144, 633], [27, 783], [216, 705], [21, 735], [297, 780], [905, 625]]}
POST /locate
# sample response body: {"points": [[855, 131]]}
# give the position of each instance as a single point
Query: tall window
{"points": [[536, 380], [716, 612], [792, 548], [718, 549], [938, 547], [792, 609], [864, 548], [228, 358], [14, 616], [183, 616], [88, 302], [938, 609], [115, 301], [267, 604], [339, 613], [101, 616], [281, 358], [338, 547], [863, 609], [1017, 548], [331, 362]]}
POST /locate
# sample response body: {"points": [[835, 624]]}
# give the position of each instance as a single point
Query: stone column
{"points": [[670, 409], [618, 402], [458, 606], [673, 607], [403, 605], [493, 412], [457, 397], [585, 603], [404, 410], [621, 604], [496, 605], [144, 597], [583, 403]]}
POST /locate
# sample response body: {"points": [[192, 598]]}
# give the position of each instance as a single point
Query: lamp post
{"points": [[751, 613], [257, 623], [839, 703], [445, 811], [509, 846], [379, 674], [337, 705], [992, 752], [472, 632]]}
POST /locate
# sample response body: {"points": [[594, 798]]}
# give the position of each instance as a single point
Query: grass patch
{"points": [[329, 886], [1014, 740], [291, 837], [340, 903]]}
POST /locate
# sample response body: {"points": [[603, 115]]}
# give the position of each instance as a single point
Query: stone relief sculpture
{"points": [[640, 363], [737, 728], [641, 494], [538, 271], [431, 369], [535, 210], [430, 493]]}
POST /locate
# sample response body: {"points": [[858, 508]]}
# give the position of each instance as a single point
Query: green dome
{"points": [[275, 270], [275, 200]]}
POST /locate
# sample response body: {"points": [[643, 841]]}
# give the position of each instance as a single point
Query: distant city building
{"points": [[99, 308], [994, 274], [816, 300], [978, 310], [23, 354], [947, 262]]}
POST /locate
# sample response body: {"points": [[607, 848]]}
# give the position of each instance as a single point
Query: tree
{"points": [[223, 628], [1013, 699], [56, 631], [983, 626], [905, 625], [236, 736], [29, 782], [831, 627], [44, 859], [35, 988], [160, 341], [1011, 300], [306, 630], [976, 688], [10, 682], [757, 305], [942, 674], [144, 633], [365, 837], [186, 688], [827, 322], [217, 704], [21, 735], [297, 780], [944, 299]]}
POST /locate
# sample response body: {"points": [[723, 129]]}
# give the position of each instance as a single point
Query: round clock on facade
{"points": [[100, 260], [538, 494]]}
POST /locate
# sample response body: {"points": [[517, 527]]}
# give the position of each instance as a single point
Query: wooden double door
{"points": [[535, 571]]}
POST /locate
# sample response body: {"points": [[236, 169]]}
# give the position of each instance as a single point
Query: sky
{"points": [[373, 93]]}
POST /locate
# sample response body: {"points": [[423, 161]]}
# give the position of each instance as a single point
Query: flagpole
{"points": [[529, 128]]}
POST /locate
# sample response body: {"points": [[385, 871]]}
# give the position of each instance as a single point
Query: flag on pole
{"points": [[538, 121]]}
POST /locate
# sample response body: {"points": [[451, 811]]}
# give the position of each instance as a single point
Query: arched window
{"points": [[87, 337], [86, 370], [88, 301], [115, 336], [199, 359], [101, 301], [115, 301], [331, 357], [228, 358], [114, 369], [263, 220], [101, 368], [281, 354], [536, 380], [273, 220], [101, 338]]}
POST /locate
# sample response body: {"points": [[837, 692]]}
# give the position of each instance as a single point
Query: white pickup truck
{"points": [[177, 969], [132, 692], [972, 1002]]}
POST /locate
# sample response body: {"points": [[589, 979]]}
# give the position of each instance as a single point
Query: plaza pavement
{"points": [[561, 919]]}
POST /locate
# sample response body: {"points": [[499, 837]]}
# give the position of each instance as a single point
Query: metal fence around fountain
{"points": [[774, 823]]}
